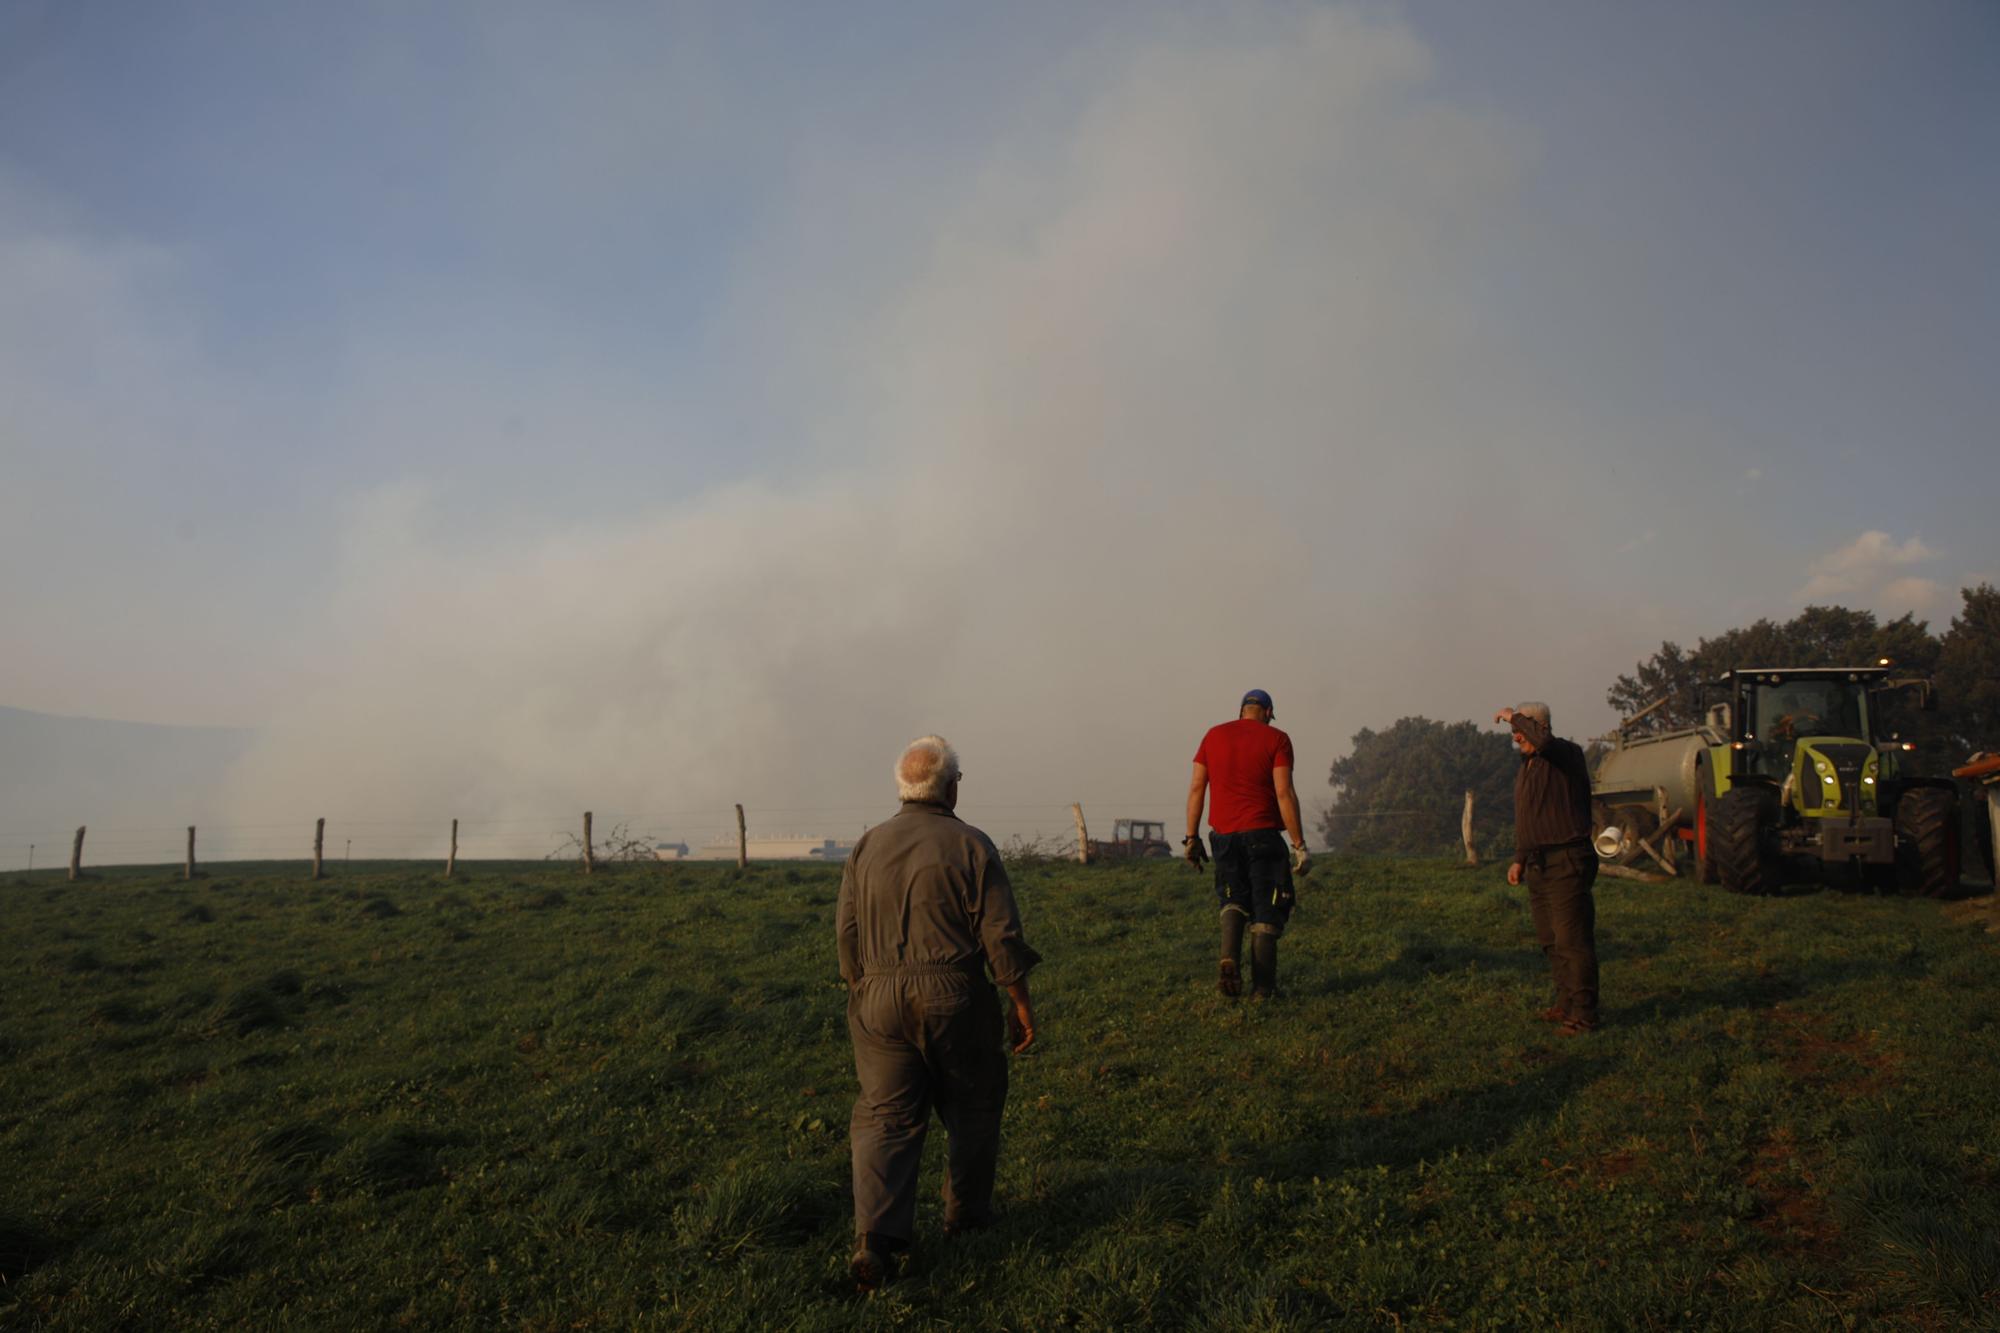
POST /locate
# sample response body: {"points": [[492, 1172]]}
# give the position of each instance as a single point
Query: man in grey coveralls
{"points": [[925, 910]]}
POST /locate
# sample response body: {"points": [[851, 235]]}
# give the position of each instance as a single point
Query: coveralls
{"points": [[925, 911]]}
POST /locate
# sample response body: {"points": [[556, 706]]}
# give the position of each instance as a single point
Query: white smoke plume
{"points": [[1180, 399], [1195, 377]]}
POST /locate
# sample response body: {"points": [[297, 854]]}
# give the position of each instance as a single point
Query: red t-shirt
{"points": [[1239, 757]]}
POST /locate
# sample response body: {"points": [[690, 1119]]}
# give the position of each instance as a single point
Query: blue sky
{"points": [[862, 370]]}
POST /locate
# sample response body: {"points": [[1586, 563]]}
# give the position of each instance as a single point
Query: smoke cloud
{"points": [[1181, 397], [1222, 351]]}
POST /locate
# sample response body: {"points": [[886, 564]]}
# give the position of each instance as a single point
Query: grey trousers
{"points": [[924, 1038]]}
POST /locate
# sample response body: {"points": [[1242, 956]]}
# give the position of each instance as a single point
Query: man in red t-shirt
{"points": [[1249, 764]]}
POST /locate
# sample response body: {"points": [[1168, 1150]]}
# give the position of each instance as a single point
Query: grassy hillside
{"points": [[528, 1099]]}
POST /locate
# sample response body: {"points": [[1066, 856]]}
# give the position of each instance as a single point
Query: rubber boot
{"points": [[1263, 966], [1230, 975]]}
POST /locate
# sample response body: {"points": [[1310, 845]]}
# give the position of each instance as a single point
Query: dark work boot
{"points": [[871, 1269], [1229, 977], [877, 1261], [1263, 966]]}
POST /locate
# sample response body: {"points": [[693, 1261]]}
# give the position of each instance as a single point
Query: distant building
{"points": [[789, 848], [670, 851]]}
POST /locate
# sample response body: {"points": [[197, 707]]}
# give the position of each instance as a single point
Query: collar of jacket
{"points": [[934, 807]]}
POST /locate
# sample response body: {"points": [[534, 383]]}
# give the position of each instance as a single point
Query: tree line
{"points": [[1401, 790]]}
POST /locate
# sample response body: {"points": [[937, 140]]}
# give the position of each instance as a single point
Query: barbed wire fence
{"points": [[1025, 830]]}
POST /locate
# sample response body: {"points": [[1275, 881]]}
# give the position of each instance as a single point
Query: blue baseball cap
{"points": [[1260, 698]]}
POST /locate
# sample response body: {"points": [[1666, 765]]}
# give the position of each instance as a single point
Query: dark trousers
{"points": [[1253, 875], [924, 1038], [1565, 915]]}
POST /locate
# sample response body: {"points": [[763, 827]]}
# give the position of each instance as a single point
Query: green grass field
{"points": [[531, 1099]]}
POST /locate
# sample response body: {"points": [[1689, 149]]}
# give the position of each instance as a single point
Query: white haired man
{"points": [[925, 912], [1552, 853]]}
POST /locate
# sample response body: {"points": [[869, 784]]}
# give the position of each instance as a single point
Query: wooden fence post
{"points": [[451, 858], [188, 872], [76, 854], [742, 840], [589, 855], [319, 845], [1082, 835], [1465, 832]]}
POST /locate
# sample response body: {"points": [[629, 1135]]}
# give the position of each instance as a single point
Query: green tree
{"points": [[1817, 636], [1403, 790], [1968, 675]]}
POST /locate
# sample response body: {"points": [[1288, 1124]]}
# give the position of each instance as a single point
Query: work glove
{"points": [[1196, 854], [1301, 862]]}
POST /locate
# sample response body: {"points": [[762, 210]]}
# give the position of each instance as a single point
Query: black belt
{"points": [[1541, 853]]}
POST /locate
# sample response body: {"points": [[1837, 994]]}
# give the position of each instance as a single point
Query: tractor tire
{"points": [[1704, 807], [1742, 836], [1927, 849]]}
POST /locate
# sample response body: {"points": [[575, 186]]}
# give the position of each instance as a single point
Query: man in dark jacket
{"points": [[1552, 852], [925, 911]]}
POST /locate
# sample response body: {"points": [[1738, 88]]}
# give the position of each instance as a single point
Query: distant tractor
{"points": [[1791, 774], [1133, 840]]}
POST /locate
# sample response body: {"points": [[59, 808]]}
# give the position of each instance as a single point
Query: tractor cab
{"points": [[1777, 710], [1133, 840], [1140, 836], [1817, 732]]}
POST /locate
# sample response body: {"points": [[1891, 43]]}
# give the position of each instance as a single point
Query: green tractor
{"points": [[1794, 774]]}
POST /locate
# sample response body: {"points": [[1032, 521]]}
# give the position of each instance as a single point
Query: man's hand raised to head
{"points": [[1504, 715]]}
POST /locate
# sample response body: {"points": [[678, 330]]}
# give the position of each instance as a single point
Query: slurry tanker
{"points": [[1792, 774]]}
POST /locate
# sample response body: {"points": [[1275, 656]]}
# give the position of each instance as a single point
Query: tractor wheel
{"points": [[1741, 837], [1704, 805], [1927, 842]]}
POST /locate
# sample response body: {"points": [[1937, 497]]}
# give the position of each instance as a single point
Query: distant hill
{"points": [[133, 783]]}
